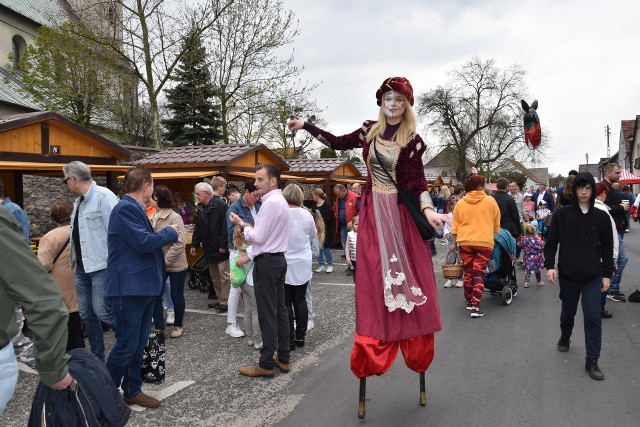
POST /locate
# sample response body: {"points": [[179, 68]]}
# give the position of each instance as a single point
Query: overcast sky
{"points": [[582, 59]]}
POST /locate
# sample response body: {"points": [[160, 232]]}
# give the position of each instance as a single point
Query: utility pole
{"points": [[607, 132], [587, 156]]}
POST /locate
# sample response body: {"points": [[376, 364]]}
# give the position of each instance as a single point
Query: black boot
{"points": [[563, 344], [423, 393], [592, 368], [363, 387]]}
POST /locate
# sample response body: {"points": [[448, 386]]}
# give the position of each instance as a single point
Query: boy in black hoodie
{"points": [[585, 266]]}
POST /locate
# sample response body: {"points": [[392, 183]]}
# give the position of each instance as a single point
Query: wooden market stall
{"points": [[41, 143], [326, 173]]}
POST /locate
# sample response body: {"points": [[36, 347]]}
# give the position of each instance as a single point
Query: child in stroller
{"points": [[501, 273]]}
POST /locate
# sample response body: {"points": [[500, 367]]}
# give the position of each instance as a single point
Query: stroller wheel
{"points": [[507, 295], [193, 282], [203, 285]]}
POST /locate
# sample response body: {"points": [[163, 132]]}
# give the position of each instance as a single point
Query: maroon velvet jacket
{"points": [[409, 169]]}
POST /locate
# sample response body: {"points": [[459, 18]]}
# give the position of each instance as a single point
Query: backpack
{"points": [[635, 296]]}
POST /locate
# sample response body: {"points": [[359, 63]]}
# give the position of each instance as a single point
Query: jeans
{"points": [[251, 322], [8, 375], [570, 292], [343, 237], [295, 297], [268, 278], [176, 280], [132, 318], [167, 295], [325, 256], [621, 263], [93, 307]]}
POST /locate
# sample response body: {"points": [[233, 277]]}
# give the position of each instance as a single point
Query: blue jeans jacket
{"points": [[22, 218], [240, 208], [93, 224]]}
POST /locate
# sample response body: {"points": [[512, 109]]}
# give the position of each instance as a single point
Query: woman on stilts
{"points": [[396, 298]]}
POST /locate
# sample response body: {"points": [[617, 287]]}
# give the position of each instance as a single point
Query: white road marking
{"points": [[211, 312], [351, 285], [163, 393]]}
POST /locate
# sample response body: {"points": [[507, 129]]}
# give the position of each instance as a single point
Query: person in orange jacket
{"points": [[345, 208]]}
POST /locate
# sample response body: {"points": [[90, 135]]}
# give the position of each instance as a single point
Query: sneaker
{"points": [[540, 283], [592, 368], [526, 284], [234, 331], [349, 272], [475, 312], [310, 325], [469, 306], [320, 269], [250, 342], [171, 317], [258, 345], [620, 294], [329, 269], [615, 297], [177, 332], [448, 284], [458, 284]]}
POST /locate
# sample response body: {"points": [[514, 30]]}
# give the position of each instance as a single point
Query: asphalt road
{"points": [[500, 370]]}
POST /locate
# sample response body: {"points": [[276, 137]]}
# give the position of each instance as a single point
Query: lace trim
{"points": [[400, 300]]}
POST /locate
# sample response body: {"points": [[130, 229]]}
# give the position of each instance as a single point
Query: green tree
{"points": [[69, 74], [195, 120], [328, 153]]}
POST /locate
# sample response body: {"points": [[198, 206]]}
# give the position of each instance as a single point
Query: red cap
{"points": [[399, 84]]}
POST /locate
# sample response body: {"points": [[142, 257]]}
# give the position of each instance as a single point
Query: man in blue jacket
{"points": [[134, 279]]}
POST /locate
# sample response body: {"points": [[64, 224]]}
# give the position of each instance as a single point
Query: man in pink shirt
{"points": [[269, 238]]}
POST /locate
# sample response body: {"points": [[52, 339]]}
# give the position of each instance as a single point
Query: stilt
{"points": [[423, 393], [363, 387]]}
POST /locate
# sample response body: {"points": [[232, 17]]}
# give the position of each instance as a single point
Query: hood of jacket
{"points": [[474, 196], [581, 179]]}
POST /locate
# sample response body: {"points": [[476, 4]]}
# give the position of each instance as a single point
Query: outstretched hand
{"points": [[436, 219], [295, 124]]}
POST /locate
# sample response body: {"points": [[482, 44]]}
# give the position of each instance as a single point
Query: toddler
{"points": [[541, 214], [352, 238], [447, 236], [533, 259]]}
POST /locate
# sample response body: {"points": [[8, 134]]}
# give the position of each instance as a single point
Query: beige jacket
{"points": [[61, 271], [175, 254]]}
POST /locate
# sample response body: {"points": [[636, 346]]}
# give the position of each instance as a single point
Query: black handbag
{"points": [[409, 199], [153, 365]]}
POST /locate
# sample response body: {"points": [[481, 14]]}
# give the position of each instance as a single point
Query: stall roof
{"points": [[55, 167], [182, 174], [316, 165]]}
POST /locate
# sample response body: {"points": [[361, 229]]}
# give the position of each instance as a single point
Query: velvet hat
{"points": [[399, 84]]}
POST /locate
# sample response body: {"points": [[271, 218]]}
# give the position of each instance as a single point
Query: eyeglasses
{"points": [[67, 179], [154, 197]]}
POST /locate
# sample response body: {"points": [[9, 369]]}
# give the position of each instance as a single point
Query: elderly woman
{"points": [[475, 220], [54, 253], [396, 298], [302, 230], [175, 258]]}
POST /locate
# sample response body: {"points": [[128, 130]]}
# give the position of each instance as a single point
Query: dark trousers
{"points": [[353, 265], [176, 280], [570, 292], [268, 279], [295, 297], [75, 338]]}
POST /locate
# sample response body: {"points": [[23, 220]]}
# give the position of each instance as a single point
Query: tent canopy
{"points": [[627, 178]]}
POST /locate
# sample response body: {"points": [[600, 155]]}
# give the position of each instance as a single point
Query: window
{"points": [[18, 46]]}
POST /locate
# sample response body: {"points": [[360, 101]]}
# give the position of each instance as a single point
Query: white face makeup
{"points": [[394, 104]]}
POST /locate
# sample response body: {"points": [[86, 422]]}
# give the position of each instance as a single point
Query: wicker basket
{"points": [[455, 270]]}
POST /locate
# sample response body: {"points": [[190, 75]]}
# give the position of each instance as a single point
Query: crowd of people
{"points": [[117, 262]]}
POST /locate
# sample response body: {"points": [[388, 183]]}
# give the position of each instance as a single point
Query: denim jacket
{"points": [[19, 214], [93, 224], [240, 208]]}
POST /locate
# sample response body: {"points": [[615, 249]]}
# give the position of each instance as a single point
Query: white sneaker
{"points": [[320, 269], [448, 284], [250, 342], [258, 345], [329, 269], [171, 317], [459, 284], [234, 331], [310, 325]]}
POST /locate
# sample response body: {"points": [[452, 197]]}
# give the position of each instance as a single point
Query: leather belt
{"points": [[267, 255]]}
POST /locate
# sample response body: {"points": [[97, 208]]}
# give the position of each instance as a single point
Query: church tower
{"points": [[104, 15]]}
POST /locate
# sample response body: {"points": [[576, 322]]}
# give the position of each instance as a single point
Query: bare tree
{"points": [[248, 73], [478, 114], [152, 39]]}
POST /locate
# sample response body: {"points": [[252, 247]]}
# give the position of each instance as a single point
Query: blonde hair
{"points": [[320, 228], [445, 192], [217, 182], [529, 230], [452, 203], [319, 193], [238, 239], [293, 194], [406, 131], [355, 219]]}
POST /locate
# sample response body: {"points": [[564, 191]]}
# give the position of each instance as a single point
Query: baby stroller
{"points": [[199, 277], [501, 273]]}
